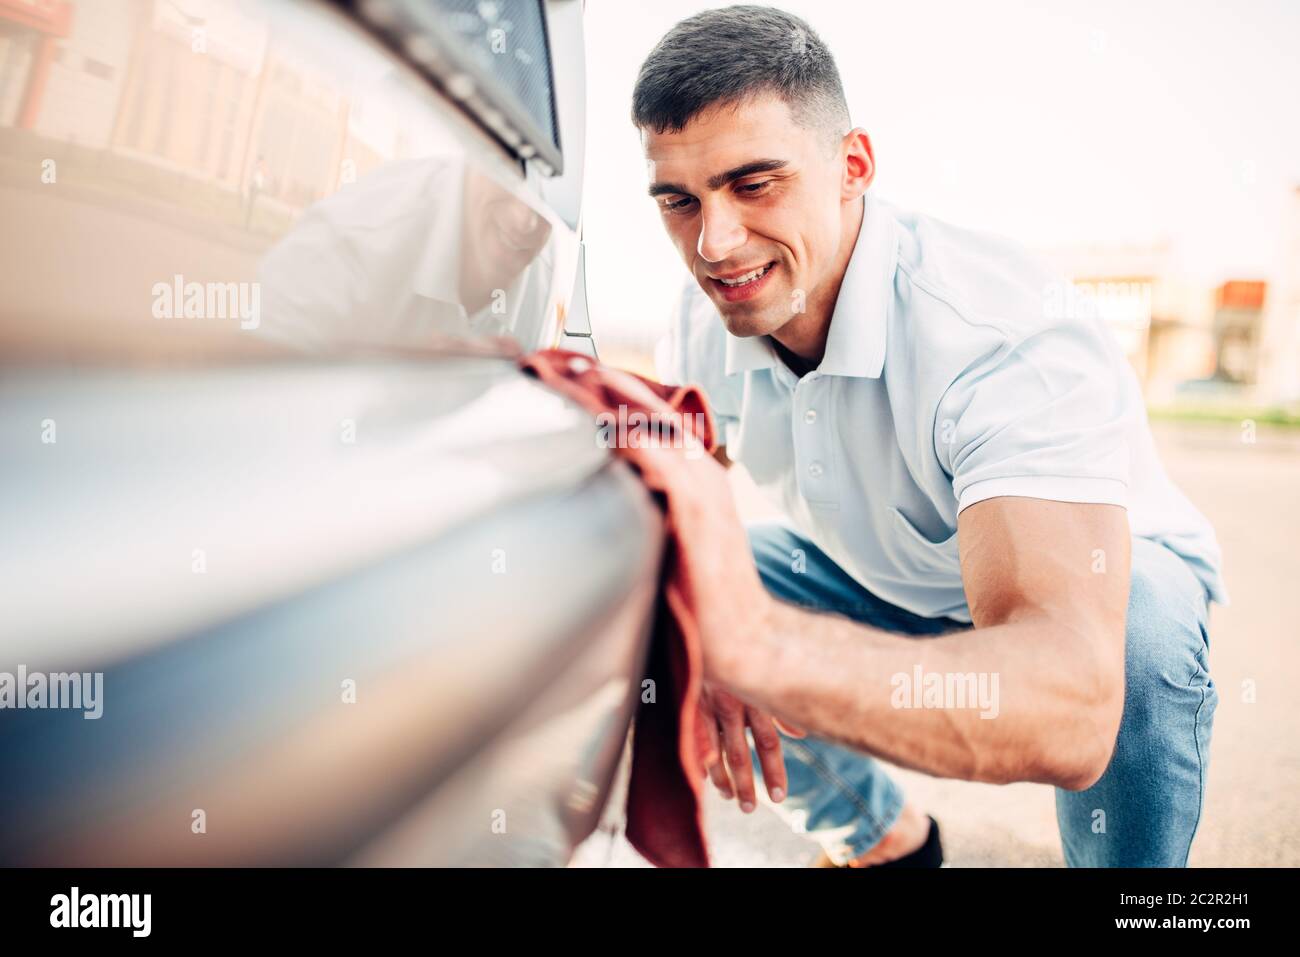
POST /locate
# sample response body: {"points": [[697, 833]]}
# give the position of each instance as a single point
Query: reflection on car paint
{"points": [[229, 142], [417, 250]]}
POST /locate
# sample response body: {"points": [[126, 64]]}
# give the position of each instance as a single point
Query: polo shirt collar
{"points": [[855, 342], [748, 354]]}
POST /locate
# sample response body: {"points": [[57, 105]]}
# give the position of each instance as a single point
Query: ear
{"points": [[859, 164]]}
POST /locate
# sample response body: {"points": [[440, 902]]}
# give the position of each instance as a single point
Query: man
{"points": [[986, 573], [399, 257]]}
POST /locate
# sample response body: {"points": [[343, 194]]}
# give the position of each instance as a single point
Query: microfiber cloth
{"points": [[665, 791]]}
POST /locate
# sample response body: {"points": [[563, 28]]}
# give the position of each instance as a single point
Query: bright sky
{"points": [[1054, 122]]}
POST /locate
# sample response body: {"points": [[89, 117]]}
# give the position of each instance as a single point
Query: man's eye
{"points": [[679, 205], [753, 188]]}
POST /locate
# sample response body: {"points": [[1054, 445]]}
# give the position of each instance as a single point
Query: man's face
{"points": [[745, 190]]}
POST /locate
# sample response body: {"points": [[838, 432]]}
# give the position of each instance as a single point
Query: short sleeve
{"points": [[694, 352], [1047, 417]]}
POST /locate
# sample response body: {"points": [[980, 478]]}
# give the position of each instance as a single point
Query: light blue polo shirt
{"points": [[952, 374]]}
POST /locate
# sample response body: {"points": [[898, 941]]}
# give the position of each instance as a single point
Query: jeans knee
{"points": [[1165, 641]]}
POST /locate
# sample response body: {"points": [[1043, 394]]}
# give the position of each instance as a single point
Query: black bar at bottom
{"points": [[206, 906]]}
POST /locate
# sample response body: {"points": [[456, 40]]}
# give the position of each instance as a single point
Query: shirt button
{"points": [[810, 416], [815, 470]]}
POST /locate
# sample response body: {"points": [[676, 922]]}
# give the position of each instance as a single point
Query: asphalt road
{"points": [[1251, 492]]}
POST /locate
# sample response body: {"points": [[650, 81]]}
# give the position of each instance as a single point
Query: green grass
{"points": [[1278, 417]]}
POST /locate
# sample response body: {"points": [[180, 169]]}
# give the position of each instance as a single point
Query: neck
{"points": [[804, 336]]}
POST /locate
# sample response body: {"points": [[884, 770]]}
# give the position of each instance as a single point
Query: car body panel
{"points": [[360, 590]]}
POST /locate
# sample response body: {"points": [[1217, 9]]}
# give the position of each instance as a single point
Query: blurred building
{"points": [[1156, 313], [279, 132], [1238, 340], [29, 35], [1238, 322], [1279, 339]]}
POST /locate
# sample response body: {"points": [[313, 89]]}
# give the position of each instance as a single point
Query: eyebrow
{"points": [[722, 179]]}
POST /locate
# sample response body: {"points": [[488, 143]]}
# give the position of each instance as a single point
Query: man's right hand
{"points": [[731, 769]]}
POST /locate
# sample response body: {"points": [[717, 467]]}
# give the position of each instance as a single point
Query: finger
{"points": [[788, 729], [740, 765], [768, 745], [710, 746], [706, 734], [718, 774], [717, 771]]}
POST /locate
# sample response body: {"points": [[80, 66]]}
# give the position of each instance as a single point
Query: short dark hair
{"points": [[728, 55]]}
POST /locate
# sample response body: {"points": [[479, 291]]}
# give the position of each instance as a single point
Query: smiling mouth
{"points": [[744, 280], [743, 286]]}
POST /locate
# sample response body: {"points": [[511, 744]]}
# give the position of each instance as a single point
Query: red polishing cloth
{"points": [[664, 801]]}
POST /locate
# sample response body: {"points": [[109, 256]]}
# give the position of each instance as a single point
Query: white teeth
{"points": [[747, 278]]}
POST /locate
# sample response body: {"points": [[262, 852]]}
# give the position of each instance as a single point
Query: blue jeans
{"points": [[1144, 810]]}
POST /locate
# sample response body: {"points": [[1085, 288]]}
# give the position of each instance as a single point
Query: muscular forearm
{"points": [[1053, 690]]}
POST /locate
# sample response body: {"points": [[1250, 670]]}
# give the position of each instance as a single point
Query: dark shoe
{"points": [[929, 854]]}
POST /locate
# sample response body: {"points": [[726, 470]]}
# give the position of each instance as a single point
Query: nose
{"points": [[721, 232]]}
